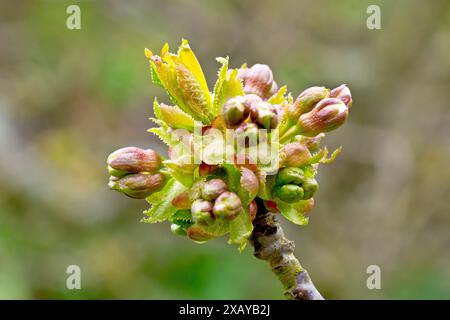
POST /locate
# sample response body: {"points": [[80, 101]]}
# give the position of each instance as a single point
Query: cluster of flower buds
{"points": [[292, 185], [236, 112], [211, 206], [134, 172], [316, 110]]}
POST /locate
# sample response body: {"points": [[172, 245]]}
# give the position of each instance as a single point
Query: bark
{"points": [[271, 245]]}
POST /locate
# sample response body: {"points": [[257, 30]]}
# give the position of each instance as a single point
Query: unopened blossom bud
{"points": [[305, 206], [249, 182], [264, 114], [289, 193], [202, 212], [306, 101], [327, 115], [199, 234], [212, 189], [251, 99], [273, 89], [342, 93], [138, 185], [133, 160], [310, 186], [290, 175], [178, 230], [247, 134], [235, 111], [227, 206], [257, 80], [182, 201], [295, 154]]}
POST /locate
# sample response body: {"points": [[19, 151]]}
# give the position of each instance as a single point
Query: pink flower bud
{"points": [[257, 80], [327, 115], [342, 93], [134, 160]]}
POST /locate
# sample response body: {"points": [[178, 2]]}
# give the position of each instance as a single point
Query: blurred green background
{"points": [[70, 97]]}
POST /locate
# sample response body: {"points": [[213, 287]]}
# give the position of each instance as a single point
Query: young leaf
{"points": [[161, 202], [173, 116], [228, 85], [290, 213], [278, 97], [234, 183], [190, 61], [240, 229]]}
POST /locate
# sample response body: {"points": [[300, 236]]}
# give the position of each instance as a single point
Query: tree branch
{"points": [[271, 245]]}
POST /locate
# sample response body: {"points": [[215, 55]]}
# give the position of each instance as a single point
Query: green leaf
{"points": [[173, 116], [182, 173], [292, 214], [266, 186], [332, 157], [278, 97], [161, 202], [190, 61], [154, 75], [240, 229], [227, 86], [163, 134]]}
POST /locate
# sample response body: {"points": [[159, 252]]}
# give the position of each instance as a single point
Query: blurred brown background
{"points": [[70, 97]]}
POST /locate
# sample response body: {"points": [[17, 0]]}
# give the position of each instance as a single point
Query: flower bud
{"points": [[342, 93], [133, 160], [305, 206], [290, 175], [227, 206], [265, 115], [247, 134], [257, 80], [177, 230], [327, 115], [249, 182], [252, 210], [310, 186], [212, 189], [306, 101], [182, 201], [289, 193], [235, 111], [138, 185], [199, 234], [202, 212], [251, 99], [273, 89], [295, 154]]}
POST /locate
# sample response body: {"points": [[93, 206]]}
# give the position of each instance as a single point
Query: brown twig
{"points": [[271, 245]]}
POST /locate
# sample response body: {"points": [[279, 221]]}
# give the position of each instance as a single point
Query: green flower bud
{"points": [[249, 182], [235, 111], [202, 212], [327, 115], [265, 115], [290, 175], [212, 189], [289, 193], [342, 93], [306, 101], [133, 160], [310, 186], [178, 230], [295, 155], [257, 80], [138, 185], [227, 206]]}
